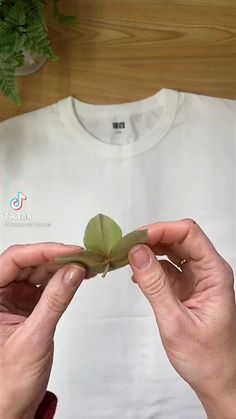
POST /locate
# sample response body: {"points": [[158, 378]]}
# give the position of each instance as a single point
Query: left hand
{"points": [[28, 319]]}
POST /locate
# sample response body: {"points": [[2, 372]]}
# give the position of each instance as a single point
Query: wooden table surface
{"points": [[126, 50]]}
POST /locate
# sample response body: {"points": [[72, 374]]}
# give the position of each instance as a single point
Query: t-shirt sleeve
{"points": [[47, 407]]}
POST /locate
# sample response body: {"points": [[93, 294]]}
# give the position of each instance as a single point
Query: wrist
{"points": [[219, 404], [8, 413]]}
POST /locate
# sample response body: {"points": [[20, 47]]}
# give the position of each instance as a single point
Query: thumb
{"points": [[153, 282], [54, 300]]}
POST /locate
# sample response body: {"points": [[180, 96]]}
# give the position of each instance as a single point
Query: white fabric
{"points": [[174, 159]]}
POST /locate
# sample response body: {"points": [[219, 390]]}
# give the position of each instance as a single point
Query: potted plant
{"points": [[24, 42]]}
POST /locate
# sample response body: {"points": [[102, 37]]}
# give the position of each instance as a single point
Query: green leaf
{"points": [[92, 261], [106, 249], [101, 234], [119, 253]]}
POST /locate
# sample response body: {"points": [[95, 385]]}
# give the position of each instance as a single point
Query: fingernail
{"points": [[74, 246], [133, 279], [143, 227], [74, 275], [140, 258]]}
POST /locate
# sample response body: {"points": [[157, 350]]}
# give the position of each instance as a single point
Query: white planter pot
{"points": [[32, 63]]}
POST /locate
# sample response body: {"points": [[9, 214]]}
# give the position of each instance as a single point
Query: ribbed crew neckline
{"points": [[70, 107]]}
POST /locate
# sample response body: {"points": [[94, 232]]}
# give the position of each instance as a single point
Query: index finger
{"points": [[184, 238], [19, 256]]}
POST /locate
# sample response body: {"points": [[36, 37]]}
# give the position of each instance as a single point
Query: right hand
{"points": [[194, 308]]}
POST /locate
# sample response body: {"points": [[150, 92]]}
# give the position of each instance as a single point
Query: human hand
{"points": [[194, 308], [28, 318]]}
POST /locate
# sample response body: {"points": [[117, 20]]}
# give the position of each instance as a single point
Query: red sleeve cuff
{"points": [[47, 407]]}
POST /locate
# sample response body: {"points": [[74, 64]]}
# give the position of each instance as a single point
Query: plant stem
{"points": [[106, 270]]}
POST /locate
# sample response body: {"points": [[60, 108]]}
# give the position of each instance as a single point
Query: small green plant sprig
{"points": [[105, 248], [23, 27]]}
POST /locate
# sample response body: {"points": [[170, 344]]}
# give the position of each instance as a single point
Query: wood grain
{"points": [[125, 50]]}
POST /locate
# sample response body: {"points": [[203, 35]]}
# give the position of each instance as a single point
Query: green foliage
{"points": [[68, 20], [106, 249], [23, 27]]}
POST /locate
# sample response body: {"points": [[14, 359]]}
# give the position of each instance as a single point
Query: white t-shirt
{"points": [[165, 157]]}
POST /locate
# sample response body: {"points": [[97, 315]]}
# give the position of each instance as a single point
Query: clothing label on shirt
{"points": [[117, 125]]}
